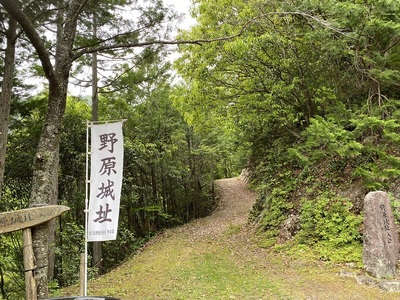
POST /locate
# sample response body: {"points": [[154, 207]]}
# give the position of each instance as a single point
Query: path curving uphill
{"points": [[216, 258], [235, 203]]}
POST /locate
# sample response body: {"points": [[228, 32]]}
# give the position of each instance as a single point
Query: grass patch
{"points": [[233, 229], [194, 262], [218, 276], [179, 268]]}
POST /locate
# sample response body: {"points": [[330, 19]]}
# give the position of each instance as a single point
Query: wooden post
{"points": [[29, 265], [82, 278], [25, 219]]}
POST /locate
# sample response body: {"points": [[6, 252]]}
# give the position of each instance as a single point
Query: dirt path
{"points": [[216, 258], [235, 202]]}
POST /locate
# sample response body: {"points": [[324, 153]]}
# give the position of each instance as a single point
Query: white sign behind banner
{"points": [[107, 153]]}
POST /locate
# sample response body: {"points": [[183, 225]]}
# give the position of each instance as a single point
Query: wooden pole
{"points": [[25, 219], [29, 265], [82, 276]]}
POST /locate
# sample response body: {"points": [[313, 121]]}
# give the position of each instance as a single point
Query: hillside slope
{"points": [[216, 258]]}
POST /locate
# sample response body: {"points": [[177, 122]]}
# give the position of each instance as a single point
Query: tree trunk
{"points": [[6, 88], [45, 184], [97, 260], [46, 168], [2, 290], [46, 164]]}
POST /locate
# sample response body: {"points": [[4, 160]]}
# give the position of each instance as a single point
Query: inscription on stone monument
{"points": [[380, 238], [386, 223]]}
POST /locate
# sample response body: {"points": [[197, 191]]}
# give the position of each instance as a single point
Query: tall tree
{"points": [[6, 91], [313, 84], [57, 70], [270, 80]]}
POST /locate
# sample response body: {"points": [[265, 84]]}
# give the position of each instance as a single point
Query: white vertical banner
{"points": [[107, 153]]}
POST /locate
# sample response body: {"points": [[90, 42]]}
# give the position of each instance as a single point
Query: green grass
{"points": [[216, 260], [226, 267], [233, 229], [217, 275]]}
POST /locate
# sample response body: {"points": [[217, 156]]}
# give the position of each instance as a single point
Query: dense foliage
{"points": [[312, 87], [305, 94], [168, 175]]}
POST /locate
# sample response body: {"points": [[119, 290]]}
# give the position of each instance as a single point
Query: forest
{"points": [[304, 95]]}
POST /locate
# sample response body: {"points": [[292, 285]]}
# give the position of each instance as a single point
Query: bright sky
{"points": [[182, 6]]}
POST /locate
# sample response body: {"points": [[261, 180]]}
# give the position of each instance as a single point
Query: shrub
{"points": [[330, 228]]}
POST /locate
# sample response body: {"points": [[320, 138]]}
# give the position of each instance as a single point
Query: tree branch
{"points": [[14, 9], [116, 46]]}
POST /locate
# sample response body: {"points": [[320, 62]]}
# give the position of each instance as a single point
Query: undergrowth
{"points": [[308, 177], [329, 231]]}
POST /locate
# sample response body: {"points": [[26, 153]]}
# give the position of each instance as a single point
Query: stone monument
{"points": [[381, 241]]}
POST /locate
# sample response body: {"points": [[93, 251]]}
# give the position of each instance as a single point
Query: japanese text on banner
{"points": [[105, 181]]}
